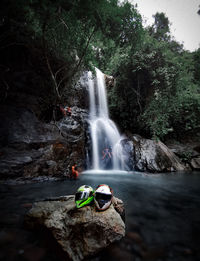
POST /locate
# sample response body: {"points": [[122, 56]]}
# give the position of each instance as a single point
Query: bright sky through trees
{"points": [[181, 13]]}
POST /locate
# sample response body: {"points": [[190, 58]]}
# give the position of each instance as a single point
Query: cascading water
{"points": [[106, 146]]}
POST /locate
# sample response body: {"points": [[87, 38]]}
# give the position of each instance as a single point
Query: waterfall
{"points": [[106, 147]]}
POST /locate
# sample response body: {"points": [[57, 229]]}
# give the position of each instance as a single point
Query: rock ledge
{"points": [[80, 232]]}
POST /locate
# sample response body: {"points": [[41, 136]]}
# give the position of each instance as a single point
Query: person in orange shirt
{"points": [[63, 111], [75, 172], [68, 111]]}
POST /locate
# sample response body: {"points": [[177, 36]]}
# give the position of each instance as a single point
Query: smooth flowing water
{"points": [[164, 209], [107, 152]]}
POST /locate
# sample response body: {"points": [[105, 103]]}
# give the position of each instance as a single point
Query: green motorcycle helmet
{"points": [[84, 196]]}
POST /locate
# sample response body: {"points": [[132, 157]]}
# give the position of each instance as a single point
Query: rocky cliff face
{"points": [[33, 148], [35, 138], [154, 156], [188, 149], [151, 156]]}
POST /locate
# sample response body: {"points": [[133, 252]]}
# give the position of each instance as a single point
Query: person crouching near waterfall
{"points": [[75, 173]]}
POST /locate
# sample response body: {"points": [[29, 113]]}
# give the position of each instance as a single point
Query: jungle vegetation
{"points": [[157, 81]]}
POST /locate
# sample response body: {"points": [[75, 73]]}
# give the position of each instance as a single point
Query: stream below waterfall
{"points": [[162, 210]]}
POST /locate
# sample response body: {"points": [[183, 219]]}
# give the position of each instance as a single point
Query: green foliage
{"points": [[196, 59], [176, 107], [160, 29], [186, 156], [157, 90], [80, 34]]}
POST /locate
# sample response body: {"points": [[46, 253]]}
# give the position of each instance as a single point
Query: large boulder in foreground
{"points": [[80, 232], [154, 156]]}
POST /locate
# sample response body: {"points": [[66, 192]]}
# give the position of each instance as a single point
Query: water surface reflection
{"points": [[162, 216]]}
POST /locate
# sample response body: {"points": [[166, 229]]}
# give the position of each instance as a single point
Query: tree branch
{"points": [[80, 60], [47, 60], [53, 77]]}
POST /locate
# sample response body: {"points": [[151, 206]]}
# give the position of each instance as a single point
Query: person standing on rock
{"points": [[63, 111], [106, 153], [68, 111], [107, 158]]}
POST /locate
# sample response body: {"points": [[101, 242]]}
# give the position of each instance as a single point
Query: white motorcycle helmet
{"points": [[103, 196]]}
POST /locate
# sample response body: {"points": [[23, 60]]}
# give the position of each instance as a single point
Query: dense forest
{"points": [[157, 81]]}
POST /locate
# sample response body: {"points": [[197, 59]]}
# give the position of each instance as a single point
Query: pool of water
{"points": [[162, 216]]}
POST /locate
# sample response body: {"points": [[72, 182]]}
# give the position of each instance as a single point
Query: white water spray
{"points": [[106, 146]]}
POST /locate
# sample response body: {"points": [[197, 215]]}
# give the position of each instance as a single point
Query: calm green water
{"points": [[164, 209]]}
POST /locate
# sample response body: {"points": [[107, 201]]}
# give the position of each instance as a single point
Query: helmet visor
{"points": [[102, 196], [82, 195]]}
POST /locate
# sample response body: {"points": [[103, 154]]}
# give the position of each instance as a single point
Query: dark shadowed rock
{"points": [[188, 145], [128, 154], [109, 80], [80, 232], [188, 150], [30, 147], [195, 163]]}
